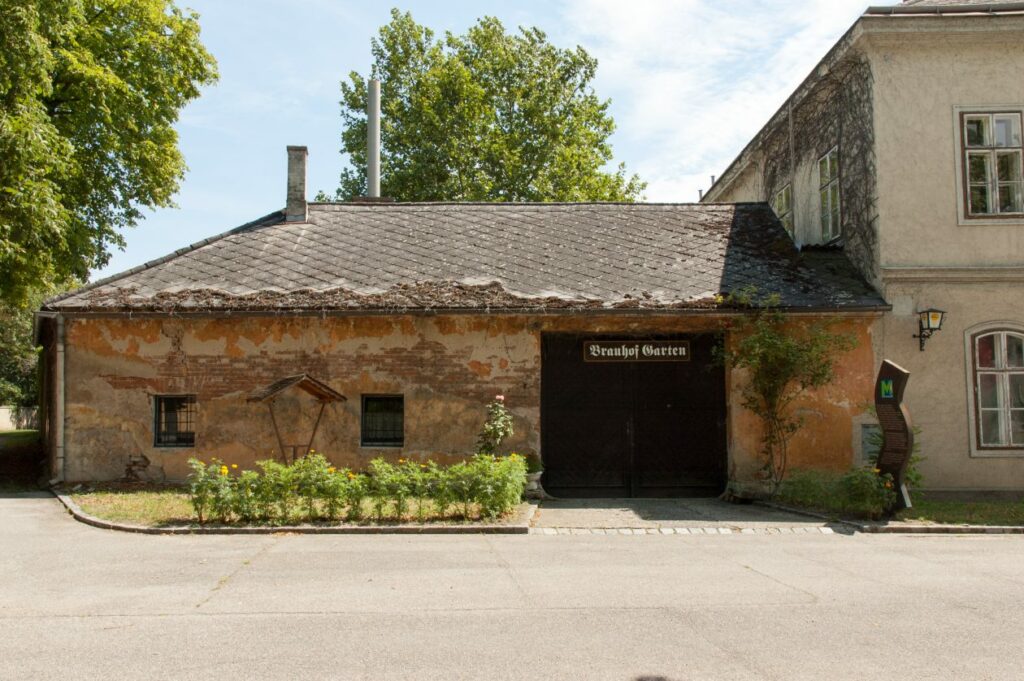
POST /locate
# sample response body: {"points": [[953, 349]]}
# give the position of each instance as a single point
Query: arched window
{"points": [[999, 389]]}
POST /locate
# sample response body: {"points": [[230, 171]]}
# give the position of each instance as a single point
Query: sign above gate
{"points": [[636, 351]]}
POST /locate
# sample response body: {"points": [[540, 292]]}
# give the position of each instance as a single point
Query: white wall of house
{"points": [[931, 253], [926, 72]]}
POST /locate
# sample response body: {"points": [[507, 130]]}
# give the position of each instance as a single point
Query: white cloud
{"points": [[693, 80]]}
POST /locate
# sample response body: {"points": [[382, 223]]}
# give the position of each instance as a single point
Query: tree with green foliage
{"points": [[18, 354], [485, 116], [89, 93]]}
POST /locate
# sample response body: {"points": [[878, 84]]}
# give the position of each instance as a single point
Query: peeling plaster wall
{"points": [[447, 366]]}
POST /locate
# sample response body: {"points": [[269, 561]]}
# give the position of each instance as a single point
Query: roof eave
{"points": [[589, 311]]}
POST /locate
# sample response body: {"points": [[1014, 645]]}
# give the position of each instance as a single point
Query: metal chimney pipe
{"points": [[373, 139]]}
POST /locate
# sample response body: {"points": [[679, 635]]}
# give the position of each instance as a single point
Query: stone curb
{"points": [[885, 528], [632, 531], [520, 526]]}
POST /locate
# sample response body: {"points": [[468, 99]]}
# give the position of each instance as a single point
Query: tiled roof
{"points": [[952, 3], [511, 256]]}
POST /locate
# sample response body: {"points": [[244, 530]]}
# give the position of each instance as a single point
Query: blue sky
{"points": [[690, 82]]}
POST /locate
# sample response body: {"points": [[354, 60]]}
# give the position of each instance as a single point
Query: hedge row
{"points": [[312, 489]]}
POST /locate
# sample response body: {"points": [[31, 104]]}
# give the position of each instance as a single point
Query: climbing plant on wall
{"points": [[835, 111], [783, 359]]}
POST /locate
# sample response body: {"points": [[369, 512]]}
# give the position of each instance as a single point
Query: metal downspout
{"points": [[58, 406]]}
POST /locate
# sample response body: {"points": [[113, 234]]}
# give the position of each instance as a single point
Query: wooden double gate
{"points": [[632, 426]]}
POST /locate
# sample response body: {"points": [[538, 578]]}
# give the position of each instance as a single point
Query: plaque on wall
{"points": [[636, 351]]}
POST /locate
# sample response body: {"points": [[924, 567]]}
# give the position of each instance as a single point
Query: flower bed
{"points": [[311, 490]]}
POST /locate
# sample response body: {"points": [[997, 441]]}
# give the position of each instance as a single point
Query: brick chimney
{"points": [[296, 209]]}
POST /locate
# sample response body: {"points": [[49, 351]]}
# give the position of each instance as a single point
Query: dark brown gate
{"points": [[631, 428]]}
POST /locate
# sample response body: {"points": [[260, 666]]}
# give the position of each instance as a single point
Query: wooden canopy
{"points": [[318, 389], [323, 394]]}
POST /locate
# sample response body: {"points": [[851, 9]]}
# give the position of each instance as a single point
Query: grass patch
{"points": [[18, 436], [152, 506], [167, 505], [944, 511]]}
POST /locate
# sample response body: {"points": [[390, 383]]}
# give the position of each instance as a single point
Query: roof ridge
{"points": [[258, 222], [530, 204]]}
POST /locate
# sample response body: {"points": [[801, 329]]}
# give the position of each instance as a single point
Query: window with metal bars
{"points": [[174, 421], [383, 421]]}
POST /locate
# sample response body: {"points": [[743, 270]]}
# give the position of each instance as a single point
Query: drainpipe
{"points": [[58, 404]]}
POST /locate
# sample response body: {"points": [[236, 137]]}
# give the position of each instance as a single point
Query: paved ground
{"points": [[82, 603], [666, 514]]}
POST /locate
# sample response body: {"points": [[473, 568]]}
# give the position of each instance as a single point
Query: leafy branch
{"points": [[784, 360]]}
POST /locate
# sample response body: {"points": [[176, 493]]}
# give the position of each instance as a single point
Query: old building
{"points": [[596, 321], [903, 150]]}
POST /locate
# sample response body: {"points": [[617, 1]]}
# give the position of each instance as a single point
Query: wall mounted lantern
{"points": [[928, 322]]}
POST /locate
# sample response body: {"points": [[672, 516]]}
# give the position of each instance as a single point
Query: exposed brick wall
{"points": [[447, 367]]}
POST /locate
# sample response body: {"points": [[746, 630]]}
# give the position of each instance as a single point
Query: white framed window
{"points": [[992, 164], [828, 191], [782, 204], [997, 367]]}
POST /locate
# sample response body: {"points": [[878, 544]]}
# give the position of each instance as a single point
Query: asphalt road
{"points": [[82, 603]]}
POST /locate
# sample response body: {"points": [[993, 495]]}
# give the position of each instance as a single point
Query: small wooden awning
{"points": [[319, 390]]}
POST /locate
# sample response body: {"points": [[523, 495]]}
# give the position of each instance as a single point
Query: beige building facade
{"points": [[904, 150]]}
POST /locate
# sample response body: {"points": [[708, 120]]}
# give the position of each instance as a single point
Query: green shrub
{"points": [[277, 494], [223, 501], [420, 480], [464, 484], [860, 491], [497, 427], [864, 492], [311, 488], [357, 488], [201, 486], [247, 496], [500, 482], [387, 484], [440, 489], [333, 491], [309, 476]]}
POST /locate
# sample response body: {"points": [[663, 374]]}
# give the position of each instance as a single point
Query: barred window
{"points": [[174, 421], [383, 422]]}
